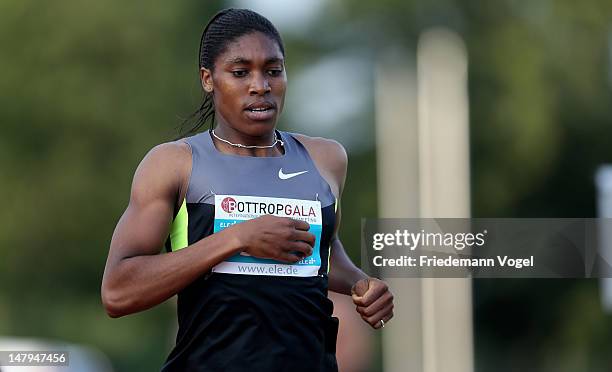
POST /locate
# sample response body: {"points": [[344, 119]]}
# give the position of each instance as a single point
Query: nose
{"points": [[259, 85]]}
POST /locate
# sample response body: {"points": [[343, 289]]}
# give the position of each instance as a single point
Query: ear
{"points": [[206, 79]]}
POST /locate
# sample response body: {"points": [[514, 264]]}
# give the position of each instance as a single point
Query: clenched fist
{"points": [[374, 301]]}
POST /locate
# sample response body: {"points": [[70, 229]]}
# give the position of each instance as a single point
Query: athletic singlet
{"points": [[251, 314]]}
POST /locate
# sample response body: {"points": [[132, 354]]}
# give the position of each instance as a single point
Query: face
{"points": [[248, 83]]}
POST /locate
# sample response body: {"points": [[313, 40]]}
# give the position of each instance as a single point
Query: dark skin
{"points": [[249, 74]]}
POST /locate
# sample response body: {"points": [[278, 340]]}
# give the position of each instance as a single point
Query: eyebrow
{"points": [[244, 61]]}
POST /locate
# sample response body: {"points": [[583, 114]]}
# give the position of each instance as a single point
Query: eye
{"points": [[240, 73], [275, 72]]}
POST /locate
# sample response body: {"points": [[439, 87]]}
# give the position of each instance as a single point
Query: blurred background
{"points": [[88, 87]]}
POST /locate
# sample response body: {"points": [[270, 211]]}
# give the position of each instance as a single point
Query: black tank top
{"points": [[251, 314]]}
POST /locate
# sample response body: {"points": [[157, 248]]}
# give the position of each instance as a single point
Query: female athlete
{"points": [[249, 216]]}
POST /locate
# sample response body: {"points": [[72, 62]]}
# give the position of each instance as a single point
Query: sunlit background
{"points": [[87, 88]]}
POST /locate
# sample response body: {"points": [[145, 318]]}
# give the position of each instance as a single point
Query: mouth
{"points": [[260, 111]]}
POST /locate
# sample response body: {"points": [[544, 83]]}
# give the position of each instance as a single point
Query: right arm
{"points": [[137, 277]]}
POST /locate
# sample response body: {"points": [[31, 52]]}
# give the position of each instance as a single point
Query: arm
{"points": [[372, 297], [137, 277], [343, 273], [331, 161]]}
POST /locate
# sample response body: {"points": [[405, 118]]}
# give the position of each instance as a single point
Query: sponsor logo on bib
{"points": [[232, 209]]}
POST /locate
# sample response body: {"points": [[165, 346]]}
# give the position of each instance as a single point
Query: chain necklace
{"points": [[276, 140]]}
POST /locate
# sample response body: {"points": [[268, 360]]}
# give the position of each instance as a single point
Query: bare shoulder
{"points": [[163, 171], [168, 154], [331, 151], [329, 156]]}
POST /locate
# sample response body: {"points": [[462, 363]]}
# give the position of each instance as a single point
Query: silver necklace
{"points": [[276, 140]]}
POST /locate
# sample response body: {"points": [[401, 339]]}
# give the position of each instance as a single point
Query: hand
{"points": [[374, 301], [280, 238]]}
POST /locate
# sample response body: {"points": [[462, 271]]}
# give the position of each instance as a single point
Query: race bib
{"points": [[232, 209]]}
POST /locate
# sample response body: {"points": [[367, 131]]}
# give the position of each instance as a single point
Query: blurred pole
{"points": [[445, 192], [398, 196], [603, 181], [423, 171]]}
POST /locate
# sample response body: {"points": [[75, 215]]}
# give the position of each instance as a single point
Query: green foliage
{"points": [[87, 88], [540, 125]]}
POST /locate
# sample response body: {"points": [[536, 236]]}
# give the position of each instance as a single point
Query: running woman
{"points": [[249, 216]]}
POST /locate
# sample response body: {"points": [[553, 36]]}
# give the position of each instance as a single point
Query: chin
{"points": [[258, 128]]}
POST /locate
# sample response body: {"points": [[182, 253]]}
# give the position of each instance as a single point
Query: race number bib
{"points": [[232, 209]]}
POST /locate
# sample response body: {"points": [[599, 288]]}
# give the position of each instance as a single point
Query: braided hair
{"points": [[223, 28]]}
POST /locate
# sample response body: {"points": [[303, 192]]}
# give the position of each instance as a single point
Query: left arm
{"points": [[372, 297], [343, 273]]}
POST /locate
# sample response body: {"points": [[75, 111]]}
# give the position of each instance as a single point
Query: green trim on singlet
{"points": [[329, 249], [178, 230]]}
